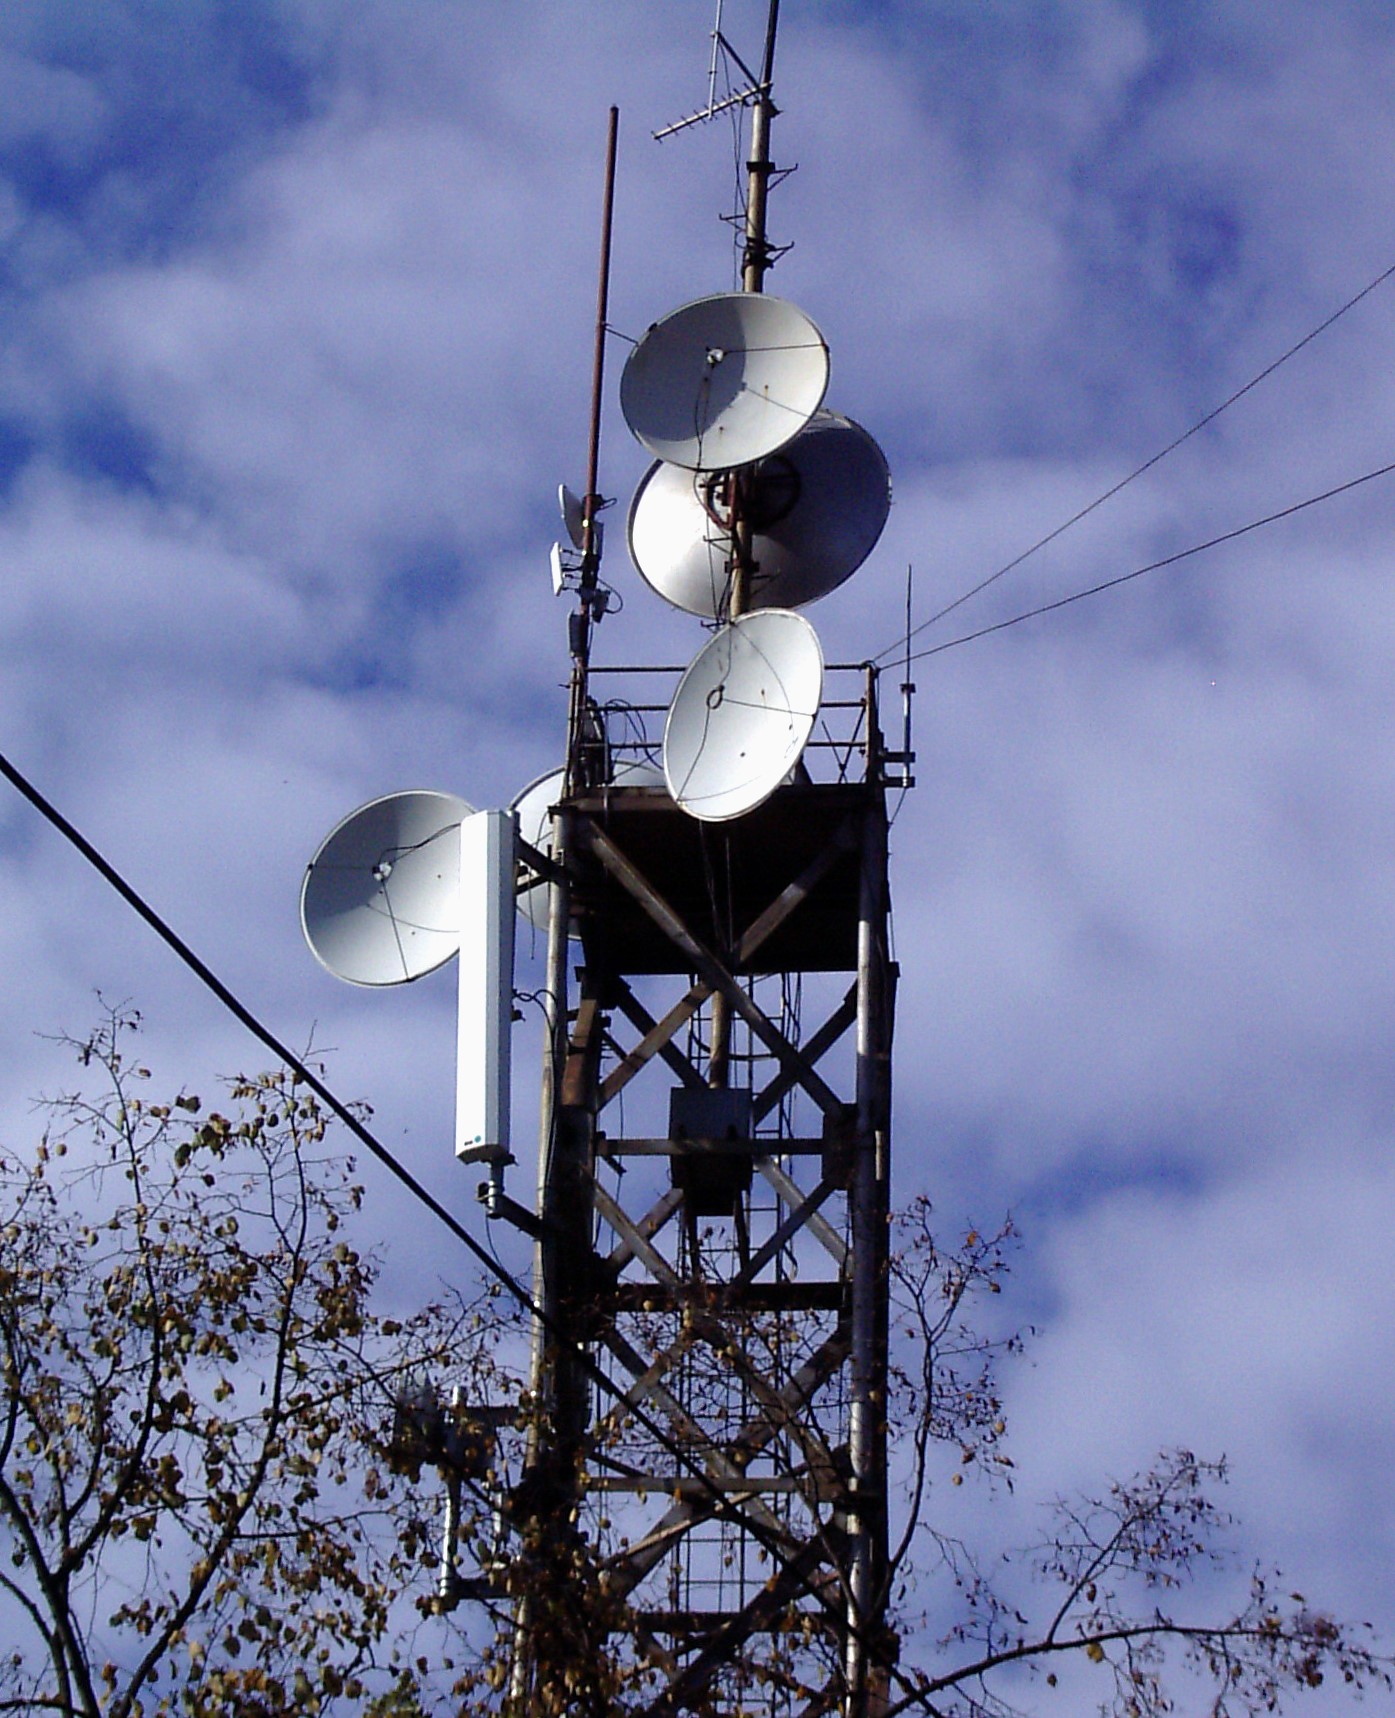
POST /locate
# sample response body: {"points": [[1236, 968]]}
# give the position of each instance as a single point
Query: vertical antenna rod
{"points": [[591, 600], [558, 1377], [590, 557], [716, 55], [755, 260]]}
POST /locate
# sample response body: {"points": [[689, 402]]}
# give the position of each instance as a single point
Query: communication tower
{"points": [[701, 1519]]}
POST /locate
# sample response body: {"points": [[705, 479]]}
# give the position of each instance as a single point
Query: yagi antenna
{"points": [[753, 87]]}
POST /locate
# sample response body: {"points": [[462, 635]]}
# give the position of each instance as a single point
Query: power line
{"points": [[1139, 471], [722, 1506], [1154, 566], [242, 1013]]}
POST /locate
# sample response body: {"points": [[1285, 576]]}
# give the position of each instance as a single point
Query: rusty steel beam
{"points": [[707, 966]]}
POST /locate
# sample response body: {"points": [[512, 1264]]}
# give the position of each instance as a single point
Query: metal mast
{"points": [[708, 1532]]}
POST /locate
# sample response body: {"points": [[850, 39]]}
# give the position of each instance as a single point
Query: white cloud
{"points": [[1252, 1321], [1142, 888]]}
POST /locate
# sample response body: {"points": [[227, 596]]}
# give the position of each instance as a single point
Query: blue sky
{"points": [[295, 306]]}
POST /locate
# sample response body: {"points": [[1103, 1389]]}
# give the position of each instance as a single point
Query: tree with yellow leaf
{"points": [[194, 1512], [198, 1513], [1136, 1582]]}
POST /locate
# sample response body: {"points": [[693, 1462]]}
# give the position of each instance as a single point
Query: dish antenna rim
{"points": [[813, 545], [724, 380], [359, 931], [739, 715]]}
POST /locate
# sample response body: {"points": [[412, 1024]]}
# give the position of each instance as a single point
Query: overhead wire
{"points": [[914, 1695], [355, 1125], [1155, 566], [242, 1013], [1139, 471], [737, 218], [721, 1503]]}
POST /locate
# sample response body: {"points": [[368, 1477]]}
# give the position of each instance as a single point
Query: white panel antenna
{"points": [[487, 856], [573, 516], [742, 714], [380, 900], [394, 891], [724, 380], [566, 564]]}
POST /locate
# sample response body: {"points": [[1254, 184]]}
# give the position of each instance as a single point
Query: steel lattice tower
{"points": [[728, 1273], [705, 1500]]}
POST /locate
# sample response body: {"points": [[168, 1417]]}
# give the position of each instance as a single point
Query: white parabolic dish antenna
{"points": [[742, 714], [533, 807], [381, 899], [816, 509], [724, 380]]}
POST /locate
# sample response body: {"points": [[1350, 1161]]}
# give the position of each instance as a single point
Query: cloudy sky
{"points": [[297, 303]]}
